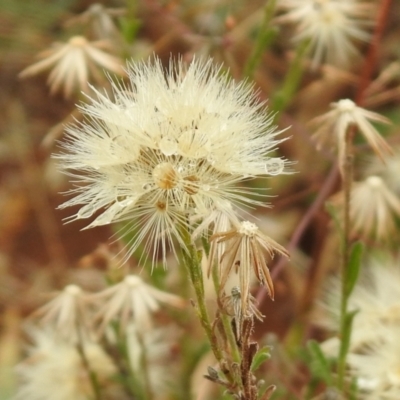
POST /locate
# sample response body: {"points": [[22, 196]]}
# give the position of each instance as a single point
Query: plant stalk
{"points": [[264, 38], [347, 179], [292, 80], [193, 265]]}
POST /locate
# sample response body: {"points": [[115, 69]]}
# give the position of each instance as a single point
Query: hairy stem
{"points": [[304, 223], [193, 265]]}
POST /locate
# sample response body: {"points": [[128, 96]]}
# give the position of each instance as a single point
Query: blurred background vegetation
{"points": [[39, 254]]}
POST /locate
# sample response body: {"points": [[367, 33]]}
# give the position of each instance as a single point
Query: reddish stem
{"points": [[325, 191], [370, 61]]}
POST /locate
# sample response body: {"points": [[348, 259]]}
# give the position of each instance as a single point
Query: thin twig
{"points": [[325, 191], [370, 62]]}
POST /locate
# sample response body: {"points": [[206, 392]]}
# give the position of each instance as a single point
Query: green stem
{"points": [[145, 369], [292, 80], [347, 178], [92, 375], [264, 38], [131, 384], [193, 265]]}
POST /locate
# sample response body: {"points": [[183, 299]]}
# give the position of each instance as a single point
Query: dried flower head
{"points": [[74, 64], [67, 313], [245, 252], [232, 305], [373, 209], [330, 25], [345, 113], [132, 300], [54, 369], [170, 145]]}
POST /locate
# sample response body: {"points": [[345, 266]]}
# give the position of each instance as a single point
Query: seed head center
{"points": [[165, 176], [248, 229]]}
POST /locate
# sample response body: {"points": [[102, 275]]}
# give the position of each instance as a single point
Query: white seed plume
{"points": [[131, 300], [167, 146], [330, 25], [389, 171], [333, 127], [67, 313], [374, 208], [74, 63]]}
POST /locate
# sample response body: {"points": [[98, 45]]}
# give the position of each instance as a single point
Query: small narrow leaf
{"points": [[260, 357], [206, 245], [268, 392], [320, 365]]}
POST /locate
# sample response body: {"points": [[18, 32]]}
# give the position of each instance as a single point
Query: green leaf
{"points": [[320, 365], [353, 268], [261, 356]]}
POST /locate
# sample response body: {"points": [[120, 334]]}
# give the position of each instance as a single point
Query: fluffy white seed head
{"points": [[166, 146], [373, 357]]}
